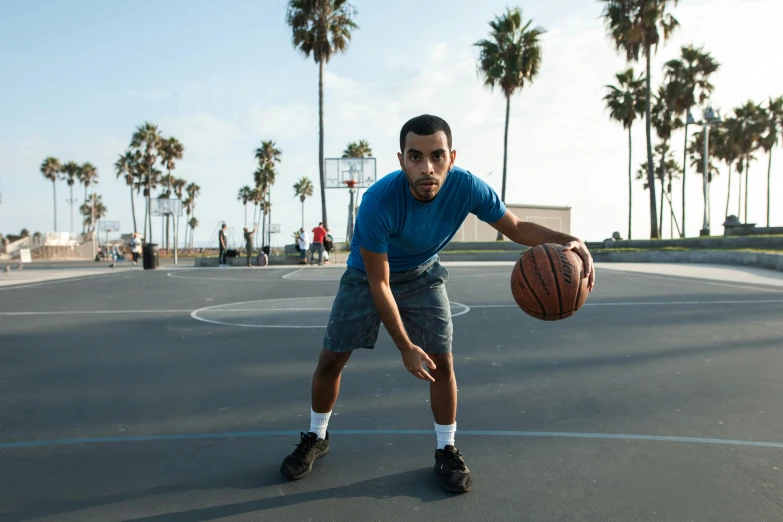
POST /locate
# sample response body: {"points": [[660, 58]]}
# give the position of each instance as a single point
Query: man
{"points": [[301, 241], [319, 234], [394, 277], [249, 243], [223, 245], [135, 247], [328, 245]]}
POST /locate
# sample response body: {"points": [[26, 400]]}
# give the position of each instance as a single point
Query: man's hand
{"points": [[580, 249], [414, 359]]}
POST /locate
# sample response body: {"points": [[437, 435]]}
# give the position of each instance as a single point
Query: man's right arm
{"points": [[413, 357]]}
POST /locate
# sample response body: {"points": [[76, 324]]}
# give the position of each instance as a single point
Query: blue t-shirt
{"points": [[391, 221]]}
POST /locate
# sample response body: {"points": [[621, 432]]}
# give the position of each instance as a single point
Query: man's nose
{"points": [[427, 167]]}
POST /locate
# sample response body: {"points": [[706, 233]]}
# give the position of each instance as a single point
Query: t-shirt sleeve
{"points": [[485, 203], [373, 225]]}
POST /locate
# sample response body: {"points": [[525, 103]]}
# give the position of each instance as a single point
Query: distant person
{"points": [[249, 243], [319, 234], [301, 242], [328, 245], [223, 246], [135, 248]]}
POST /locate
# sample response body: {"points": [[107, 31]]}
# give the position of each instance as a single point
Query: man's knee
{"points": [[444, 365], [330, 364]]}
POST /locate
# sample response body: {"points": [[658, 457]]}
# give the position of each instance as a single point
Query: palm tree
{"points": [[664, 121], [725, 140], [668, 170], [94, 205], [88, 175], [170, 151], [304, 189], [193, 223], [193, 191], [70, 173], [124, 167], [625, 102], [321, 28], [751, 120], [268, 156], [50, 168], [769, 141], [244, 196], [511, 57], [635, 26], [360, 149], [691, 73], [24, 233], [147, 141]]}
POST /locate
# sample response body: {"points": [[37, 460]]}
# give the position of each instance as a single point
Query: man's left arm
{"points": [[532, 234]]}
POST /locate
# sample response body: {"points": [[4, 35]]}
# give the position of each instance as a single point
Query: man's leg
{"points": [[443, 392], [326, 380]]}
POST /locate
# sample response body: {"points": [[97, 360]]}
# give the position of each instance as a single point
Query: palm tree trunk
{"points": [[769, 171], [728, 194], [660, 217], [71, 203], [84, 226], [630, 183], [499, 237], [650, 171], [302, 213], [321, 140], [54, 192], [684, 164], [739, 202], [263, 227], [133, 209], [747, 164], [245, 213], [144, 223]]}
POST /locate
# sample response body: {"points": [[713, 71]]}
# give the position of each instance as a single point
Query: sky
{"points": [[77, 78]]}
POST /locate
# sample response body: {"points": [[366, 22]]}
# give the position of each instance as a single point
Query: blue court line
{"points": [[460, 433]]}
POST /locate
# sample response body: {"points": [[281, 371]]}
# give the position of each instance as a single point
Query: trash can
{"points": [[150, 256]]}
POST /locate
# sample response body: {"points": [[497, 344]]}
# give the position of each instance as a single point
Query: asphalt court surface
{"points": [[174, 395]]}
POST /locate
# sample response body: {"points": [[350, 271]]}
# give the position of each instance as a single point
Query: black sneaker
{"points": [[299, 463], [454, 474]]}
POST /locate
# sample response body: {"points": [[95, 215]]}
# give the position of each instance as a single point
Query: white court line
{"points": [[467, 308], [243, 280], [653, 303], [99, 312], [23, 285], [698, 281], [286, 276]]}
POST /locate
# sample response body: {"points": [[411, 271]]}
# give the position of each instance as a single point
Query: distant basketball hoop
{"points": [[339, 170]]}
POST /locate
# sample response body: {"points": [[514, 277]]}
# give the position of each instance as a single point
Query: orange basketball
{"points": [[548, 282]]}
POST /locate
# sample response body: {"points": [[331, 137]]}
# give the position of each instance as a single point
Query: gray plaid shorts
{"points": [[421, 297]]}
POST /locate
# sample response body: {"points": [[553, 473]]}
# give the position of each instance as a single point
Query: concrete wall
{"points": [[771, 261], [758, 242], [557, 218]]}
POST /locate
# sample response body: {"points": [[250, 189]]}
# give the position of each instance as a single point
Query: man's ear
{"points": [[453, 158], [399, 158]]}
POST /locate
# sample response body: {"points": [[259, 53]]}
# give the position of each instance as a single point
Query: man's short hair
{"points": [[424, 125], [223, 225], [321, 224]]}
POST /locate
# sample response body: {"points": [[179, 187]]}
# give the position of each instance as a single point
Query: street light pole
{"points": [[709, 117]]}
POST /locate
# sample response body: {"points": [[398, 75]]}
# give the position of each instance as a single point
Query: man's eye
{"points": [[415, 157], [438, 156]]}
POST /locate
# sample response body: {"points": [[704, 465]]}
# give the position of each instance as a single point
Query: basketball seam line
{"points": [[532, 291], [579, 287], [557, 283]]}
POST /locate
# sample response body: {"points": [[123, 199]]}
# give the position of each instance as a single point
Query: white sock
{"points": [[445, 434], [318, 423]]}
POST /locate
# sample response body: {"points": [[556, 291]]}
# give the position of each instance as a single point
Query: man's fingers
{"points": [[426, 376], [428, 362]]}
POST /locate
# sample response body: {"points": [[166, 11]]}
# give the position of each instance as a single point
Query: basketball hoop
{"points": [[351, 183]]}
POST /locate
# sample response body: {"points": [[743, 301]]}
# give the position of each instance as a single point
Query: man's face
{"points": [[426, 161]]}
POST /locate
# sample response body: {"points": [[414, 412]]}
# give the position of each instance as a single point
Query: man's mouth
{"points": [[428, 185]]}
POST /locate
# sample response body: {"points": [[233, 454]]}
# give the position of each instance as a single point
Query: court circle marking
{"points": [[195, 313]]}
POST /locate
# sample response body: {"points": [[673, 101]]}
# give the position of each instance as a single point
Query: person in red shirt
{"points": [[319, 234]]}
